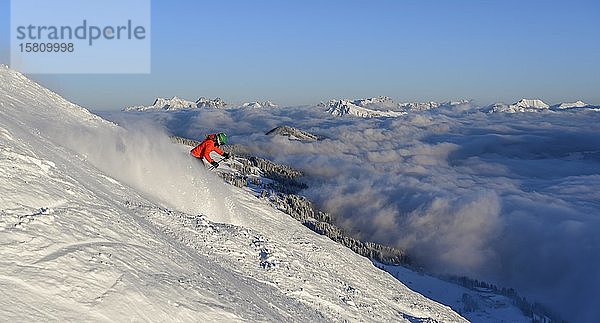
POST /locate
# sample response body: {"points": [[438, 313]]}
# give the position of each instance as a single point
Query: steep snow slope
{"points": [[478, 303], [98, 223]]}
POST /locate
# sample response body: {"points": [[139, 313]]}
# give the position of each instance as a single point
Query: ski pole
{"points": [[218, 161]]}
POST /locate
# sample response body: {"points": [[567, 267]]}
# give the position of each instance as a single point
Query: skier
{"points": [[210, 144]]}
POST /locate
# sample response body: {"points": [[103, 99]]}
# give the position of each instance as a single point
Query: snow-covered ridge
{"points": [[162, 104], [177, 104], [376, 107], [531, 103], [536, 105], [342, 107], [292, 133], [384, 106], [63, 111]]}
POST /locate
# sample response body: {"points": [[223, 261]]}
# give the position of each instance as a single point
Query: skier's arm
{"points": [[219, 150]]}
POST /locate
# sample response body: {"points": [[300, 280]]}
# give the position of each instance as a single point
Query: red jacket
{"points": [[204, 149]]}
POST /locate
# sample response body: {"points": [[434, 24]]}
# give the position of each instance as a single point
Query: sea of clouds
{"points": [[513, 199]]}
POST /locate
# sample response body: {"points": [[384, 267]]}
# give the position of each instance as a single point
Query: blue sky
{"points": [[302, 52]]}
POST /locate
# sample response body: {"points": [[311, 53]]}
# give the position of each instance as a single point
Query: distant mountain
{"points": [[419, 106], [177, 104], [216, 103], [376, 107], [571, 105], [377, 103], [495, 107], [345, 107], [463, 102], [523, 105], [292, 133], [384, 102], [260, 105], [161, 104], [531, 104], [384, 106]]}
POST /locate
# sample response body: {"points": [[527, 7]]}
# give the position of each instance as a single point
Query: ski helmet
{"points": [[222, 138]]}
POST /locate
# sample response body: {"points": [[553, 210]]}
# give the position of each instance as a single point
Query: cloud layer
{"points": [[512, 199]]}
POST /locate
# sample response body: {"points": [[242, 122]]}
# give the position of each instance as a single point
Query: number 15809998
{"points": [[47, 47]]}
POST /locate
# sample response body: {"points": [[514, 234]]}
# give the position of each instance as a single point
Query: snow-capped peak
{"points": [[523, 105], [174, 103], [216, 103], [177, 104], [459, 102], [258, 105], [570, 105], [162, 104], [419, 106], [530, 104]]}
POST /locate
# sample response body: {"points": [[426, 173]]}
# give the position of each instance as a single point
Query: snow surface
{"points": [[477, 305], [102, 224]]}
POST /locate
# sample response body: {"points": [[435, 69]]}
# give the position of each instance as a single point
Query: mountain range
{"points": [[377, 107]]}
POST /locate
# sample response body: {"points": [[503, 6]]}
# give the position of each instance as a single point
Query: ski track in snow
{"points": [[79, 244]]}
